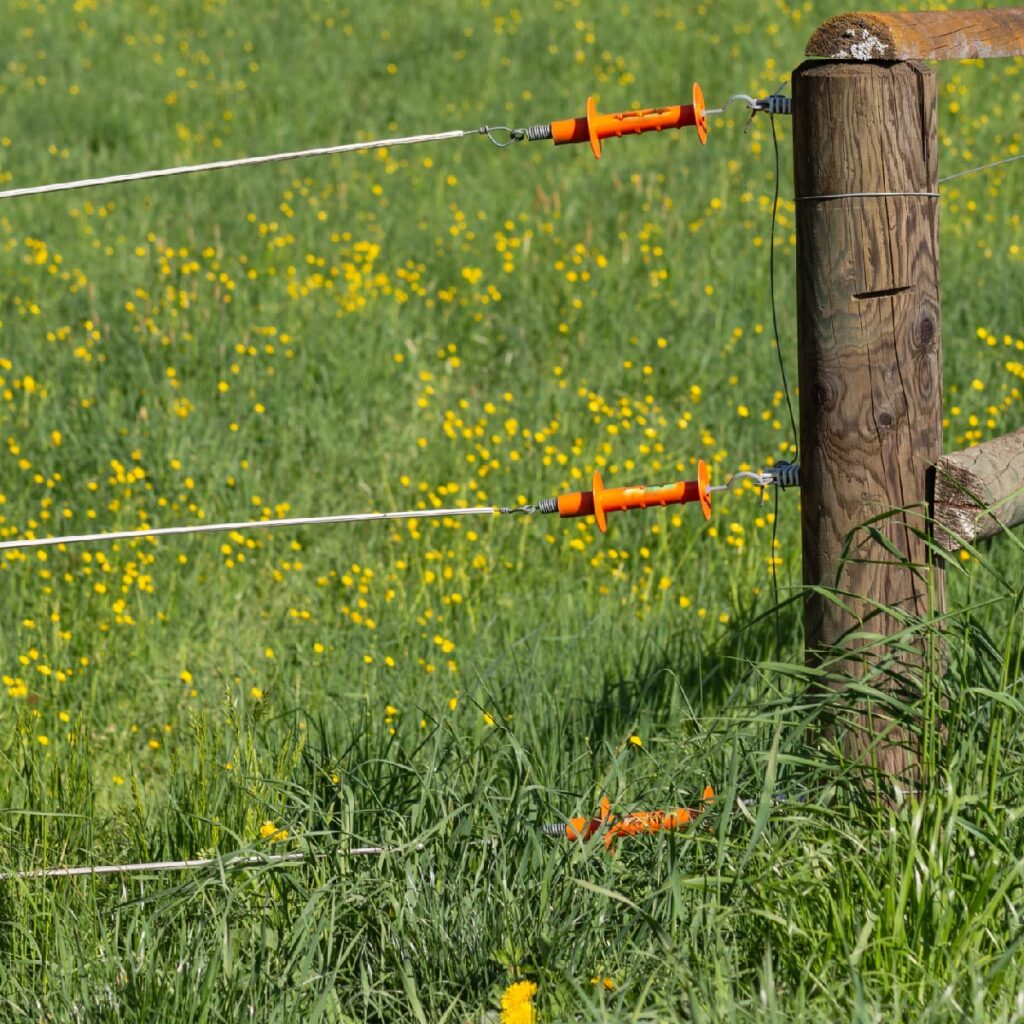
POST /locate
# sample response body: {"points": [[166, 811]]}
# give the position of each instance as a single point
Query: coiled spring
{"points": [[538, 132], [503, 136]]}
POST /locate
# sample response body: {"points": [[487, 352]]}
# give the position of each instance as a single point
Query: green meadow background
{"points": [[440, 325]]}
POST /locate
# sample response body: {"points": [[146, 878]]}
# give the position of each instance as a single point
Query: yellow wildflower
{"points": [[516, 1003], [268, 830]]}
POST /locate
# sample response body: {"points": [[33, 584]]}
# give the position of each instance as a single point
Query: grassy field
{"points": [[431, 326]]}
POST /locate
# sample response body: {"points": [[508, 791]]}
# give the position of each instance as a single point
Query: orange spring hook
{"points": [[595, 127], [601, 500]]}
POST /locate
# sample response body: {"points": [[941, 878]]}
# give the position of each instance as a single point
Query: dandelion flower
{"points": [[516, 1003]]}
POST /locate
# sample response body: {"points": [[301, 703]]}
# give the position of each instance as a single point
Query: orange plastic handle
{"points": [[637, 823], [602, 500], [595, 127], [583, 828], [640, 822]]}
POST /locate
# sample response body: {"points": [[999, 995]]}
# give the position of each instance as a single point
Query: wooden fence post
{"points": [[869, 361]]}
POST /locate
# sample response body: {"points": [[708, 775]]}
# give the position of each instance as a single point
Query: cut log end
{"points": [[921, 35], [958, 505], [979, 492], [853, 36]]}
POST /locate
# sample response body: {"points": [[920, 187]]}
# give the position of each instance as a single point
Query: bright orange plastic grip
{"points": [[634, 824], [595, 127], [601, 500]]}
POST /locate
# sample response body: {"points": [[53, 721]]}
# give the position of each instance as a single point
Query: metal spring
{"points": [[547, 505], [538, 132]]}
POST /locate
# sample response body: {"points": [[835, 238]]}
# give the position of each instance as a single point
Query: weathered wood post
{"points": [[865, 149], [866, 175]]}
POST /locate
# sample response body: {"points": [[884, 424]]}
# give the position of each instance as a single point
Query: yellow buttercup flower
{"points": [[268, 830], [516, 1003]]}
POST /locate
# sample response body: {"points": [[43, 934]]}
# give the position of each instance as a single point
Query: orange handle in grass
{"points": [[595, 127], [637, 823], [602, 500]]}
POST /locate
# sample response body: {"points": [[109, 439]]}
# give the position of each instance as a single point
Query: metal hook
{"points": [[514, 134], [776, 103], [781, 475], [738, 98], [762, 480]]}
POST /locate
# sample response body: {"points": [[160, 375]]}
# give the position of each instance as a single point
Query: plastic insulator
{"points": [[776, 104], [538, 132], [547, 505], [785, 474]]}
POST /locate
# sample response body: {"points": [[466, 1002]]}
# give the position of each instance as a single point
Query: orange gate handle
{"points": [[599, 501], [595, 127]]}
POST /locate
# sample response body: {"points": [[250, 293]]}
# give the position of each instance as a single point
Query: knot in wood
{"points": [[926, 332], [825, 394]]}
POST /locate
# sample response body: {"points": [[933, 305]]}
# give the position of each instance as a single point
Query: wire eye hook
{"points": [[740, 97], [760, 480], [514, 135], [781, 474], [773, 104]]}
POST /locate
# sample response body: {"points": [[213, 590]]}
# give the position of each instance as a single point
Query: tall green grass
{"points": [[237, 344]]}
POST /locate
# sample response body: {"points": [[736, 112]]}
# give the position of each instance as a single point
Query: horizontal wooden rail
{"points": [[921, 35], [979, 492]]}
